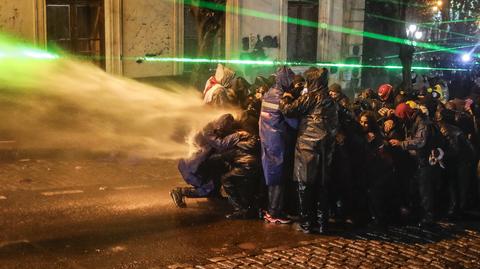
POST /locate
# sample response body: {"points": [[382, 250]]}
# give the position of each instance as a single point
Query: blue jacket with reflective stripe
{"points": [[273, 128]]}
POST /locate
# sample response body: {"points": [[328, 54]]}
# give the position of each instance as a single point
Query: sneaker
{"points": [[178, 198], [277, 220]]}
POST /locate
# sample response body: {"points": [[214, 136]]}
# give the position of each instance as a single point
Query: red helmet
{"points": [[404, 111], [384, 91]]}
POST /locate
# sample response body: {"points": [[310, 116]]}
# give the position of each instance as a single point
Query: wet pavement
{"points": [[407, 247], [118, 214]]}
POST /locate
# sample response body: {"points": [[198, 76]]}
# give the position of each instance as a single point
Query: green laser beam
{"points": [[289, 63], [404, 22], [10, 51], [449, 22], [28, 54], [432, 51], [428, 6], [413, 4], [315, 24]]}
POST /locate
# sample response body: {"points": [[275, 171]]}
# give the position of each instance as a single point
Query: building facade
{"points": [[117, 32]]}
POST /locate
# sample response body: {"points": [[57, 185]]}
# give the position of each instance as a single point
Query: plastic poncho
{"points": [[273, 129], [217, 87]]}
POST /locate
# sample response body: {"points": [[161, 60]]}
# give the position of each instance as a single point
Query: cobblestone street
{"points": [[447, 246]]}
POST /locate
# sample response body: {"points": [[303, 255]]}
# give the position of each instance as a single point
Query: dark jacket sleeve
{"points": [[418, 141], [295, 108], [222, 144]]}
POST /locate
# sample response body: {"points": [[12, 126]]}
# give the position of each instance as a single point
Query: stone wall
{"points": [[142, 27], [148, 28], [17, 18]]}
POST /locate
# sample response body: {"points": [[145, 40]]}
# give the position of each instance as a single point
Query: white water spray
{"points": [[64, 104]]}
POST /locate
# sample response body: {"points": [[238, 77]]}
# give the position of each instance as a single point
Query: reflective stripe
{"points": [[270, 105]]}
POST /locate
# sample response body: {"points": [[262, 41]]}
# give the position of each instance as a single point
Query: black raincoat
{"points": [[318, 115]]}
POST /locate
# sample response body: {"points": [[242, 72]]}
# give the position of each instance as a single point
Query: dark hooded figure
{"points": [[274, 134], [240, 88], [459, 158], [241, 179], [198, 170], [318, 115]]}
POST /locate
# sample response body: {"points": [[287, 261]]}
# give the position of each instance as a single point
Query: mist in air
{"points": [[67, 105]]}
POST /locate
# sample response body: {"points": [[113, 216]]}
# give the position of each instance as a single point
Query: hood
{"points": [[223, 124], [317, 79], [284, 79], [224, 76]]}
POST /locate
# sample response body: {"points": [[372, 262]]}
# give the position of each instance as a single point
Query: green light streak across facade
{"points": [[279, 63], [315, 24], [449, 22], [428, 27], [432, 51]]}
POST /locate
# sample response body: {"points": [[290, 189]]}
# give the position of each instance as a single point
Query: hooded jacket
{"points": [[273, 128], [216, 137], [318, 115]]}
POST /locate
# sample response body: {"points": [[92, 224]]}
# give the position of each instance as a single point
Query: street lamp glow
{"points": [[412, 28], [466, 57], [439, 3], [435, 9], [418, 35]]}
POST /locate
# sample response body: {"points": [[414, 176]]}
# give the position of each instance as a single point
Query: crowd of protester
{"points": [[302, 150]]}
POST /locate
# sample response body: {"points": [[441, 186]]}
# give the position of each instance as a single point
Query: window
{"points": [[302, 40], [213, 46], [78, 27]]}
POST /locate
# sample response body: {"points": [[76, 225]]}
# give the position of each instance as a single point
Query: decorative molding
{"points": [[114, 36]]}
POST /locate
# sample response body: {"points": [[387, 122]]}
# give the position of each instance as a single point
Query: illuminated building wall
{"points": [[135, 28]]}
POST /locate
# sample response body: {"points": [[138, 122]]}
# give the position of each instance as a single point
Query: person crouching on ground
{"points": [[200, 170]]}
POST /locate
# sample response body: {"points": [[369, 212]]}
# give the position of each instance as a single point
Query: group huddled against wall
{"points": [[302, 150]]}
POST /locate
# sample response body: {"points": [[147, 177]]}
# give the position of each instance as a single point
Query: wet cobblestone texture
{"points": [[446, 246]]}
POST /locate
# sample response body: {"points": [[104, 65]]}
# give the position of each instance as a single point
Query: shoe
{"points": [[277, 220], [178, 198]]}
